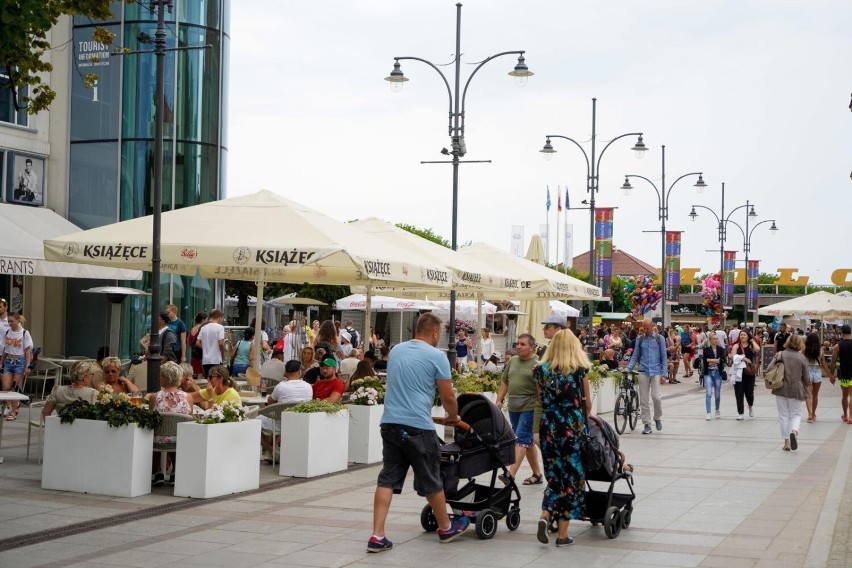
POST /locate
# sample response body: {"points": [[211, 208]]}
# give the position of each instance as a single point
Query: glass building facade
{"points": [[112, 147]]}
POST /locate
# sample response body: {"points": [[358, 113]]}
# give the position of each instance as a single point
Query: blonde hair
{"points": [[80, 370], [795, 343], [111, 362], [172, 373], [566, 353], [18, 316]]}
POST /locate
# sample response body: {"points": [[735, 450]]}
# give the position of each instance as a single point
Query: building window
{"points": [[8, 113]]}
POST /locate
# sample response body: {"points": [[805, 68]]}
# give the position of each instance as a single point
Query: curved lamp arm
{"points": [[577, 144], [659, 196], [443, 77], [718, 220], [598, 165], [669, 192], [734, 210], [751, 232], [742, 232], [478, 67]]}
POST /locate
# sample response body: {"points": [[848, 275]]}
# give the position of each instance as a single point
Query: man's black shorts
{"points": [[404, 447]]}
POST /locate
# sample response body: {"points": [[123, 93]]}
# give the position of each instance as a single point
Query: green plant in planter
{"points": [[117, 411], [368, 391], [598, 374], [312, 406]]}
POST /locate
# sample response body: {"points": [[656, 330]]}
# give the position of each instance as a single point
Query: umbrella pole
{"points": [[480, 323], [365, 338], [258, 322]]}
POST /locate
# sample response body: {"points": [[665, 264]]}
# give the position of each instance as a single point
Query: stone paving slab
{"points": [[717, 493]]}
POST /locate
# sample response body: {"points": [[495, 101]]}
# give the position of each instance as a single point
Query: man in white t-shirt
{"points": [[721, 335], [734, 335], [211, 339], [291, 389]]}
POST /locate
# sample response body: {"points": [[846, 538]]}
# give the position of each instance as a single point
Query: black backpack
{"points": [[355, 338]]}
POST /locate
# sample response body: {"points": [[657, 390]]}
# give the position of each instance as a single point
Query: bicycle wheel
{"points": [[633, 413], [619, 415]]}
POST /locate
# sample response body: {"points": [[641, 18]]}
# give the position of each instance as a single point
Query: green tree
{"points": [[427, 234], [242, 289], [23, 44]]}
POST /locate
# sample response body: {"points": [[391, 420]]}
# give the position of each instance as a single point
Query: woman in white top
{"points": [[16, 359], [486, 345]]}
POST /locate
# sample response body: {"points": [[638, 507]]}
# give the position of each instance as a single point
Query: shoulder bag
{"points": [[592, 451], [773, 378]]}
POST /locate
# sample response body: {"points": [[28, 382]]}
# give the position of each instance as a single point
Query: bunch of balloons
{"points": [[642, 294], [711, 289]]}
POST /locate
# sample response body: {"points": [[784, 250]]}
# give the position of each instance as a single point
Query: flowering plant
{"points": [[368, 391], [470, 382], [221, 413], [461, 325], [115, 409]]}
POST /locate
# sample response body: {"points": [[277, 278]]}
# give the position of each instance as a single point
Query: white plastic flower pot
{"points": [[90, 457], [603, 400], [365, 436], [314, 443], [217, 459]]}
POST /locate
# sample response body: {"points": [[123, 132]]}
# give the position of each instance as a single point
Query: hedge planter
{"points": [[603, 399], [90, 457], [217, 459], [365, 436], [314, 443]]}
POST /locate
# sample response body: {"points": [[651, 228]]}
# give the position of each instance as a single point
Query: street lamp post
{"points": [[456, 129], [663, 211], [592, 178], [746, 233], [722, 221]]}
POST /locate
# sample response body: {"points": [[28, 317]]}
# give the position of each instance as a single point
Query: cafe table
{"points": [[4, 396]]}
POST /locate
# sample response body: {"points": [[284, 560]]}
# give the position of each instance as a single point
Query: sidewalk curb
{"points": [[824, 532]]}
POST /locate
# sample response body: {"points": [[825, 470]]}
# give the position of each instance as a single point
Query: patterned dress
{"points": [[167, 401], [562, 433]]}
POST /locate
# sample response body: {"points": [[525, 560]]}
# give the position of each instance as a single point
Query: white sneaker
{"points": [[750, 412], [709, 416], [740, 417], [718, 414]]}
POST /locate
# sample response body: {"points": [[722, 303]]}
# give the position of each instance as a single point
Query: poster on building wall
{"points": [[25, 183], [672, 291], [603, 251], [728, 265], [752, 272]]}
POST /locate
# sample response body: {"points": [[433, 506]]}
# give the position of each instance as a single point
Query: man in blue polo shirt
{"points": [[415, 369], [650, 354]]}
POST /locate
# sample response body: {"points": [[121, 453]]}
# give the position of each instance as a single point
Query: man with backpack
{"points": [[354, 336], [650, 354]]}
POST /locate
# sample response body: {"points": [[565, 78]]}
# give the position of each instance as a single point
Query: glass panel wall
{"points": [[93, 184], [198, 86]]}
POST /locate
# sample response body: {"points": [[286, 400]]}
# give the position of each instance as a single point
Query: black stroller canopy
{"points": [[485, 419]]}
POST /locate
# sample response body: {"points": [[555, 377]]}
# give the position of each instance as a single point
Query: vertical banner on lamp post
{"points": [[728, 271], [603, 251], [672, 285], [752, 271]]}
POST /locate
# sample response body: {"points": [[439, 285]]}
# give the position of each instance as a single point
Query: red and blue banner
{"points": [[752, 272], [672, 285], [729, 262], [603, 251]]}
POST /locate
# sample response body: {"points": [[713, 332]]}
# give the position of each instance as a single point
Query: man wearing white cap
{"points": [[551, 325]]}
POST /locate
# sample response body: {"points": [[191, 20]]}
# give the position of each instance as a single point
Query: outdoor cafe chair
{"points": [[252, 412], [273, 411], [168, 427], [36, 422], [44, 371]]}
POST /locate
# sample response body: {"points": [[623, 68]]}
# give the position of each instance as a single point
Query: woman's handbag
{"points": [[773, 378], [593, 451]]}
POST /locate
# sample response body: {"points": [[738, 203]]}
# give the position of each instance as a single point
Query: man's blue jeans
{"points": [[712, 381]]}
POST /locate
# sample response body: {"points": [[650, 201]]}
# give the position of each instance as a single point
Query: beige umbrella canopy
{"points": [[819, 305], [538, 310]]}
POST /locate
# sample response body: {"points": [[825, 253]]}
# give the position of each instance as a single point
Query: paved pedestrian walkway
{"points": [[717, 493]]}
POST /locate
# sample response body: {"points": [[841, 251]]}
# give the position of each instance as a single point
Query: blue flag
{"points": [[548, 198], [567, 204]]}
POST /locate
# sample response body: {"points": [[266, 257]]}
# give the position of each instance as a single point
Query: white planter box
{"points": [[90, 457], [217, 459], [604, 400], [314, 443], [365, 436]]}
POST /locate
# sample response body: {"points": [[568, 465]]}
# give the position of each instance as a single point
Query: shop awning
{"points": [[25, 229]]}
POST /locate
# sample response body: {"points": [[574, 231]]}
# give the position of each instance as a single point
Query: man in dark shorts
{"points": [[415, 369], [842, 353]]}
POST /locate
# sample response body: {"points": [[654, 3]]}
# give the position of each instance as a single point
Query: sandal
{"points": [[12, 417], [534, 480]]}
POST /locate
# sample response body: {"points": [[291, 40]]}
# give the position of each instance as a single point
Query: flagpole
{"points": [[558, 211], [547, 229]]}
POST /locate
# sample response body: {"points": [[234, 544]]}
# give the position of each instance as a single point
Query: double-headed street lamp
{"points": [[592, 177], [663, 212], [457, 98], [722, 221]]}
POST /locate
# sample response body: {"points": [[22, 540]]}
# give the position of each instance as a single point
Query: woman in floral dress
{"points": [[562, 387]]}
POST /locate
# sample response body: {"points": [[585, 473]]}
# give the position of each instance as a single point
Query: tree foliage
{"points": [[427, 234], [242, 289], [24, 25]]}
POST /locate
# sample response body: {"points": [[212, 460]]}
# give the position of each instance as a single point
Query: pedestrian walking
{"points": [[817, 369], [714, 360], [650, 355], [794, 389], [748, 348], [415, 369], [564, 397], [841, 353]]}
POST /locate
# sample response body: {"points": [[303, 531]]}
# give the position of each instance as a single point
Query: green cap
{"points": [[330, 362]]}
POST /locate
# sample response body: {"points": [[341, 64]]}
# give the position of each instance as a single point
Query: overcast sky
{"points": [[753, 93]]}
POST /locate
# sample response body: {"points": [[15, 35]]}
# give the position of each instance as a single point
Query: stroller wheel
{"points": [[428, 520], [612, 522], [513, 519], [625, 516], [486, 524]]}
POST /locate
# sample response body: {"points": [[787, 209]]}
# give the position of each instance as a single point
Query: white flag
{"points": [[516, 245], [569, 245]]}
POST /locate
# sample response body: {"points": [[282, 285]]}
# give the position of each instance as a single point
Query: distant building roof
{"points": [[623, 264]]}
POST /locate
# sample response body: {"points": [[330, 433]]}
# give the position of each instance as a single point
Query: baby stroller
{"points": [[611, 509], [484, 443]]}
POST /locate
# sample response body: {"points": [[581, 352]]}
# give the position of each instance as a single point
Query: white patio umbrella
{"points": [[260, 237], [361, 302], [559, 308], [819, 305], [538, 309]]}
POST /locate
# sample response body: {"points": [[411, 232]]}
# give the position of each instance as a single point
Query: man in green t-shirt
{"points": [[518, 383]]}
